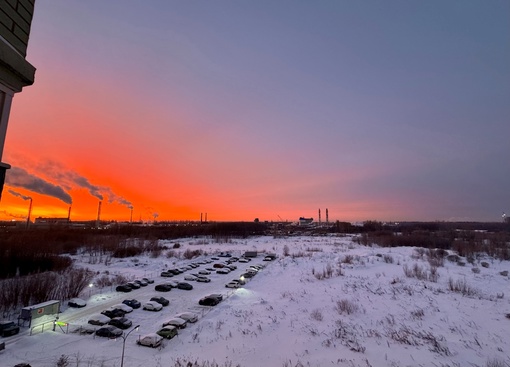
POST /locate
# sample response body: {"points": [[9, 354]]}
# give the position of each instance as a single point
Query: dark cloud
{"points": [[18, 177]]}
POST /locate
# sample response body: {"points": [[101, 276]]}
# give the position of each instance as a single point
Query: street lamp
{"points": [[90, 288], [124, 343]]}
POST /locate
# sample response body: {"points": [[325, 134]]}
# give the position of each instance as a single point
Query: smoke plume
{"points": [[18, 177], [17, 194]]}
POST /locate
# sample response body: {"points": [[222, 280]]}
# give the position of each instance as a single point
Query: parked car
{"points": [[188, 316], [203, 279], [167, 274], [240, 281], [161, 300], [267, 258], [133, 303], [185, 286], [141, 282], [109, 331], [99, 320], [208, 301], [218, 266], [76, 302], [174, 271], [248, 274], [167, 332], [121, 322], [204, 272], [177, 322], [163, 288], [231, 267], [172, 283], [215, 258], [148, 280], [123, 307], [8, 328], [133, 285], [152, 306], [244, 260], [150, 340], [190, 277], [232, 285], [113, 312], [223, 271], [123, 288]]}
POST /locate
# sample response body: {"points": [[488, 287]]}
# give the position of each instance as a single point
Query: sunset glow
{"points": [[265, 110]]}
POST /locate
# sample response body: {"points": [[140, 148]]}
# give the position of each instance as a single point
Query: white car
{"points": [[152, 306], [99, 320], [190, 277], [150, 340], [203, 279], [232, 285], [188, 316], [177, 322], [123, 307], [204, 272]]}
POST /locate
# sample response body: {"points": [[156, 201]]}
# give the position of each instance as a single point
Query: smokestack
{"points": [[131, 217], [29, 212], [99, 212], [206, 217], [200, 218], [319, 216], [69, 215], [327, 216]]}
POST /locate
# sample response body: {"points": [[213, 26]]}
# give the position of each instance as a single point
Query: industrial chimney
{"points": [[29, 213], [98, 213], [327, 216]]}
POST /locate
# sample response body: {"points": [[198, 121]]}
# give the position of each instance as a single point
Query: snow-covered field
{"points": [[329, 302]]}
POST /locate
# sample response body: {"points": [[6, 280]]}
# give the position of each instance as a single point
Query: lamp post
{"points": [[124, 344]]}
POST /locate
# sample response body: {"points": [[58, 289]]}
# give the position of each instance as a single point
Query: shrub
{"points": [[475, 270], [504, 273], [316, 315], [346, 306], [286, 250], [388, 259], [485, 264], [461, 286]]}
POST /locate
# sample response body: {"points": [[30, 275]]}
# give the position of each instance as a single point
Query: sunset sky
{"points": [[394, 110]]}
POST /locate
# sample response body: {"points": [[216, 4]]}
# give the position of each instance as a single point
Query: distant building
{"points": [[305, 221], [15, 71]]}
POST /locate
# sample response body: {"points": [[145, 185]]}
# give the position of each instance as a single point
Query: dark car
{"points": [[167, 274], [141, 282], [161, 300], [148, 280], [185, 286], [248, 275], [123, 288], [109, 332], [8, 328], [163, 288], [208, 301], [116, 312], [76, 302], [174, 271], [121, 322], [133, 303], [133, 285]]}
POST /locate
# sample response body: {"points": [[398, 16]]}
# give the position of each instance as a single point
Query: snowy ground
{"points": [[329, 303]]}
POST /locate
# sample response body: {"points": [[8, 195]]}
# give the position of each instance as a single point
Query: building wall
{"points": [[15, 71], [15, 21]]}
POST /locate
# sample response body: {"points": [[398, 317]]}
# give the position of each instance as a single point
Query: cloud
{"points": [[18, 216], [18, 177]]}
